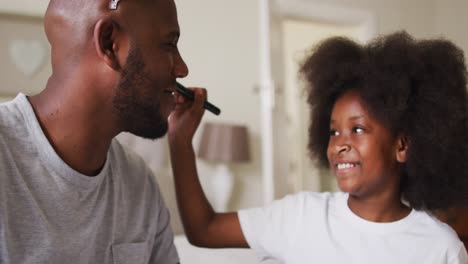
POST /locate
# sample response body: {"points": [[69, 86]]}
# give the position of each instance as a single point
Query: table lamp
{"points": [[223, 144]]}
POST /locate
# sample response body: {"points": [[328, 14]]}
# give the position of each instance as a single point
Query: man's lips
{"points": [[170, 91]]}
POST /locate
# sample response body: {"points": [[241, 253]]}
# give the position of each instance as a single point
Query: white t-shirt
{"points": [[49, 213], [320, 228]]}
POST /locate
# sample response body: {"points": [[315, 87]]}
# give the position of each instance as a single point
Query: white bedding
{"points": [[194, 255]]}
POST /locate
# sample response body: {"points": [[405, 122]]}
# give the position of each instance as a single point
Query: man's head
{"points": [[130, 54]]}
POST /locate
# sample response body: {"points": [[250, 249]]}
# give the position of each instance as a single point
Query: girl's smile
{"points": [[361, 151]]}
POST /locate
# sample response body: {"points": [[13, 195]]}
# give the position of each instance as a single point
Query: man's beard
{"points": [[137, 111]]}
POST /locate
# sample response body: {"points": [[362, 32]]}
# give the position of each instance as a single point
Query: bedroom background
{"points": [[233, 50]]}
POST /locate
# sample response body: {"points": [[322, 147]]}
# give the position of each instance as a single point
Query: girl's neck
{"points": [[380, 209]]}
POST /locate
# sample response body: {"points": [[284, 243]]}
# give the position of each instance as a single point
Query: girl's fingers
{"points": [[200, 98], [180, 99], [191, 107]]}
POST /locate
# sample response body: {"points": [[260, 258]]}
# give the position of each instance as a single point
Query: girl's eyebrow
{"points": [[351, 118], [356, 117]]}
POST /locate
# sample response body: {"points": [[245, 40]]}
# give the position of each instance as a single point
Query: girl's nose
{"points": [[343, 148]]}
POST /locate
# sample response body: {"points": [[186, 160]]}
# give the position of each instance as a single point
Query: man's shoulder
{"points": [[127, 159], [10, 111], [13, 122], [128, 166], [133, 176]]}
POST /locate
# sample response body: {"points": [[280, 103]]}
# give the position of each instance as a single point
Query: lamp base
{"points": [[221, 185]]}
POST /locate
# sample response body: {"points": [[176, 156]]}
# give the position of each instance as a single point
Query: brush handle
{"points": [[191, 95]]}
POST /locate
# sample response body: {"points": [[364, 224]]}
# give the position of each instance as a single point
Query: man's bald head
{"points": [[70, 25]]}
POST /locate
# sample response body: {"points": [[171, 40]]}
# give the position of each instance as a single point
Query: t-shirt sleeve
{"points": [[461, 257], [164, 250], [270, 230]]}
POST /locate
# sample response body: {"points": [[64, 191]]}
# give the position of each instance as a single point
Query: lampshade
{"points": [[224, 143]]}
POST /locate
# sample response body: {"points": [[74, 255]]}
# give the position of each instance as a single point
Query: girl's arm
{"points": [[203, 226]]}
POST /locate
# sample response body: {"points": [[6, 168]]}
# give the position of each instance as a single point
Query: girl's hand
{"points": [[202, 225], [186, 117]]}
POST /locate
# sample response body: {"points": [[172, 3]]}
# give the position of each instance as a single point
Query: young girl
{"points": [[390, 120]]}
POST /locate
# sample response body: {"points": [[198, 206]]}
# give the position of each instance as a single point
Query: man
{"points": [[69, 192]]}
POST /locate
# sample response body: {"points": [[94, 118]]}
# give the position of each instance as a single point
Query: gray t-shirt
{"points": [[49, 213]]}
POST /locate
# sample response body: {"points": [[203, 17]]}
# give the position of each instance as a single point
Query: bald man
{"points": [[69, 192]]}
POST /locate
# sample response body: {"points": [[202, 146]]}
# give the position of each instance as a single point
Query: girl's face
{"points": [[362, 153]]}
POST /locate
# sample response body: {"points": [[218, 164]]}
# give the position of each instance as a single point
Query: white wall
{"points": [[422, 18], [27, 7], [451, 21], [219, 42], [416, 16]]}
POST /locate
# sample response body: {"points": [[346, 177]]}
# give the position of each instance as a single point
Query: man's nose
{"points": [[180, 68]]}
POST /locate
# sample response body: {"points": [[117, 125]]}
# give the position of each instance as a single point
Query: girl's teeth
{"points": [[345, 166]]}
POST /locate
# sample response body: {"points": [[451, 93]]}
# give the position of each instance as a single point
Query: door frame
{"points": [[279, 10]]}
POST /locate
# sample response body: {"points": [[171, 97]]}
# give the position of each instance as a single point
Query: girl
{"points": [[390, 120]]}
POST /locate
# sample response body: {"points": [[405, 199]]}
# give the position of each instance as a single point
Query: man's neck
{"points": [[79, 131]]}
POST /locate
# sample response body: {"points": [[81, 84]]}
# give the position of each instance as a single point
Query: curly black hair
{"points": [[413, 87]]}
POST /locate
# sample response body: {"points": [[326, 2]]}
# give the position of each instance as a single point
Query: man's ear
{"points": [[402, 149], [106, 42]]}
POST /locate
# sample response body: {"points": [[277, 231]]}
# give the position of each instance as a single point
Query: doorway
{"points": [[299, 37], [296, 26]]}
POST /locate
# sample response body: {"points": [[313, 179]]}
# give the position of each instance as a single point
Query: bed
{"points": [[194, 255]]}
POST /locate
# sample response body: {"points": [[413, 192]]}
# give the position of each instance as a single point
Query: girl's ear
{"points": [[402, 149], [106, 42]]}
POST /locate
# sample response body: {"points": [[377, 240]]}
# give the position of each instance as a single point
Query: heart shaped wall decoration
{"points": [[27, 56]]}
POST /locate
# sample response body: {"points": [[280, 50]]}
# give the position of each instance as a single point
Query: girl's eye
{"points": [[334, 133], [358, 130]]}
